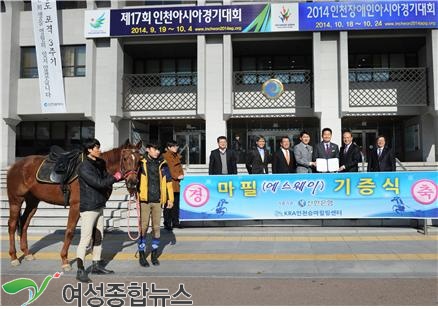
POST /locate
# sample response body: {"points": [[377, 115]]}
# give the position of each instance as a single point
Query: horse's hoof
{"points": [[15, 262], [66, 267], [29, 257]]}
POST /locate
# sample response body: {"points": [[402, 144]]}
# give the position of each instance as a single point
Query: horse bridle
{"points": [[130, 172]]}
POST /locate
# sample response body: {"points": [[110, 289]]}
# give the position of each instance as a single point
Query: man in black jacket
{"points": [[381, 158], [258, 158], [283, 159], [223, 161], [349, 155], [95, 186]]}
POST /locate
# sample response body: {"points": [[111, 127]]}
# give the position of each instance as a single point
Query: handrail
{"points": [[401, 164], [363, 161], [186, 146]]}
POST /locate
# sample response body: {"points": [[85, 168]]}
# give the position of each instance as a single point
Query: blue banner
{"points": [[190, 20], [310, 196], [367, 15], [275, 17]]}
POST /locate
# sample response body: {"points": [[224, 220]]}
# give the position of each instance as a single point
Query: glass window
{"points": [[248, 63], [298, 62], [264, 63], [411, 60], [58, 131], [80, 60], [68, 60], [236, 64], [73, 61], [37, 137], [27, 130], [184, 65], [152, 66], [68, 4], [87, 130], [364, 61], [184, 68], [74, 131], [377, 61], [168, 66], [43, 130], [27, 5], [281, 63], [29, 67], [102, 4]]}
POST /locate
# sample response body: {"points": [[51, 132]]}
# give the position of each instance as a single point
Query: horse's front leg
{"points": [[73, 217], [29, 212]]}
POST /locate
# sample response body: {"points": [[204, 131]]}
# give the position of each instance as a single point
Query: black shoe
{"points": [[154, 258], [98, 269], [82, 276], [142, 259], [178, 226]]}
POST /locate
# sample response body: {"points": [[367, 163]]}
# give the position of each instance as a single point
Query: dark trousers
{"points": [[171, 216]]}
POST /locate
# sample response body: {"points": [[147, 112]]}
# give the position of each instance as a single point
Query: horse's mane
{"points": [[112, 157]]}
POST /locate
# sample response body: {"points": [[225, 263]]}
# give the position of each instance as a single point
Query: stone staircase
{"points": [[50, 218]]}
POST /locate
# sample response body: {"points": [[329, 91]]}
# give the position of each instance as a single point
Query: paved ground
{"points": [[251, 266]]}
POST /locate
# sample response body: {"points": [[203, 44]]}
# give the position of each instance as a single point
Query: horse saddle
{"points": [[60, 167]]}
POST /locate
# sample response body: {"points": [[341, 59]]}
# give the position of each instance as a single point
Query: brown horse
{"points": [[22, 185]]}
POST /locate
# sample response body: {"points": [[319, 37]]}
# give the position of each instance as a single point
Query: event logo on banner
{"points": [[284, 17], [45, 25], [310, 196], [97, 24]]}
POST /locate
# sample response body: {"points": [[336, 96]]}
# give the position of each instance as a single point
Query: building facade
{"points": [[194, 88]]}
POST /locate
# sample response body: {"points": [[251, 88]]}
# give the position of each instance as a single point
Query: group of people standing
{"points": [[302, 157], [159, 179], [158, 190]]}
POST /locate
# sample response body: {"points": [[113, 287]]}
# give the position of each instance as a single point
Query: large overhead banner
{"points": [[310, 196], [264, 18], [365, 15], [48, 53]]}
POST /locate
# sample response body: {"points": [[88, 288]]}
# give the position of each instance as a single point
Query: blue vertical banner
{"points": [[310, 196]]}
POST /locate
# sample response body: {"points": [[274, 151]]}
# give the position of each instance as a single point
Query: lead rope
{"points": [[137, 207]]}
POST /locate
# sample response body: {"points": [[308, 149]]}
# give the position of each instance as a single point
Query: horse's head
{"points": [[129, 165]]}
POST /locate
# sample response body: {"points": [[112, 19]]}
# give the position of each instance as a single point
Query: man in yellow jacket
{"points": [[155, 192]]}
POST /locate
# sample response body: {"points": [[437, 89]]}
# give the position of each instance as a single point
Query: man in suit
{"points": [[258, 159], [303, 154], [326, 149], [349, 156], [381, 158], [283, 159], [223, 161]]}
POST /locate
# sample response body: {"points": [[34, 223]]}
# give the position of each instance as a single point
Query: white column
{"points": [[10, 73], [344, 86], [108, 91], [326, 82], [228, 75], [215, 123]]}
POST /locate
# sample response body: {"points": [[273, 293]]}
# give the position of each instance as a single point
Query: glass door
{"points": [[365, 139], [191, 146]]}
